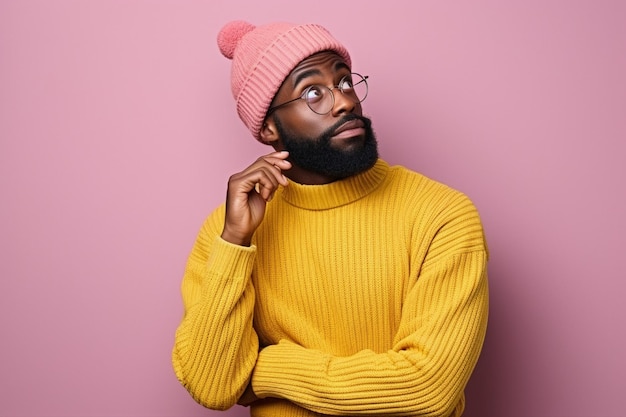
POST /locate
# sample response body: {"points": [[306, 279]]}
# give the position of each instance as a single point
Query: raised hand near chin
{"points": [[248, 193]]}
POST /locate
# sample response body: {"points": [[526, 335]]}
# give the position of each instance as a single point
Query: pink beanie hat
{"points": [[263, 56]]}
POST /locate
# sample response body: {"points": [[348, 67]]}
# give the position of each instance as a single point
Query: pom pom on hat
{"points": [[231, 34], [263, 56]]}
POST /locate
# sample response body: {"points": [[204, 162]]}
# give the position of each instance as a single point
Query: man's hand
{"points": [[248, 193]]}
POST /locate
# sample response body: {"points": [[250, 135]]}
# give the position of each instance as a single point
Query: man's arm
{"points": [[216, 346]]}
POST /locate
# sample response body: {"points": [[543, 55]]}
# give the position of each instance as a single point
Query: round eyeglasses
{"points": [[321, 99]]}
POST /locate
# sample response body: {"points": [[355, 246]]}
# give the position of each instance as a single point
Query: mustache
{"points": [[328, 133]]}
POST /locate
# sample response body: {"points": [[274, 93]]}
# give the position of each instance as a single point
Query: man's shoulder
{"points": [[214, 221], [423, 195]]}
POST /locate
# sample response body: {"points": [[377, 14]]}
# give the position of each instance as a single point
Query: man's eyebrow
{"points": [[341, 65], [314, 71], [305, 74]]}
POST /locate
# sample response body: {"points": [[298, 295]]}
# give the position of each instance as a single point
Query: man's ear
{"points": [[269, 133]]}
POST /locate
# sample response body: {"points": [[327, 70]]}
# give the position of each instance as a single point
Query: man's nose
{"points": [[344, 103]]}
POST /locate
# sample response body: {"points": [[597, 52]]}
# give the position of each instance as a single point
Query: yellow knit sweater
{"points": [[366, 296]]}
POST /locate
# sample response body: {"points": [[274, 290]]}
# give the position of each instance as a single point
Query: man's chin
{"points": [[349, 145]]}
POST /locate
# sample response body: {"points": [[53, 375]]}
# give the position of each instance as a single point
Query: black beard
{"points": [[317, 155]]}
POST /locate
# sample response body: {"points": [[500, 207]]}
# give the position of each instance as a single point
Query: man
{"points": [[329, 283]]}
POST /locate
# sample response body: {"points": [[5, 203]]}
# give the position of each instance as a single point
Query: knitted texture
{"points": [[369, 296], [263, 56]]}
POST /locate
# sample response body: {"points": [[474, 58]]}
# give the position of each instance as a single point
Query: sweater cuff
{"points": [[229, 260]]}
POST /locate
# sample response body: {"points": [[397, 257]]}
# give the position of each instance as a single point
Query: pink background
{"points": [[118, 132]]}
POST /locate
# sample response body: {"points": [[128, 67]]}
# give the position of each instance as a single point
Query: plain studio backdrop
{"points": [[118, 132]]}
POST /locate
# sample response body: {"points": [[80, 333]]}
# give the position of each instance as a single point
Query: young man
{"points": [[329, 283]]}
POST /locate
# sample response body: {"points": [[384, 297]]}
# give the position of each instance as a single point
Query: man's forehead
{"points": [[320, 58]]}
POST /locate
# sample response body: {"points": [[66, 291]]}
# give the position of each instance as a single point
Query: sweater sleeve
{"points": [[215, 346], [437, 345]]}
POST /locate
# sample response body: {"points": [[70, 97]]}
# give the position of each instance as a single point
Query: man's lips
{"points": [[349, 129]]}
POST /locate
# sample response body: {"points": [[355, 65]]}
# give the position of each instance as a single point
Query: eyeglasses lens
{"points": [[321, 99]]}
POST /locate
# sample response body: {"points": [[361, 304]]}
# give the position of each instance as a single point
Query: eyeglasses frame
{"points": [[332, 93]]}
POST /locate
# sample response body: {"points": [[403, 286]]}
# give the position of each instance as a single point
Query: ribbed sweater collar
{"points": [[338, 193]]}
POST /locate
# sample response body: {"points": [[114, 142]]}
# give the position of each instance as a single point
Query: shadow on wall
{"points": [[489, 389]]}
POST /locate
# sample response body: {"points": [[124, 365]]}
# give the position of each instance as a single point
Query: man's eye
{"points": [[346, 84], [313, 94]]}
